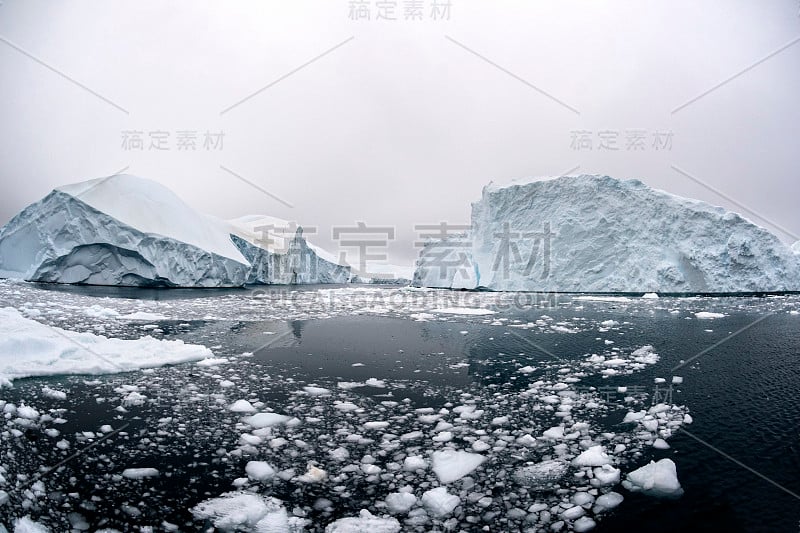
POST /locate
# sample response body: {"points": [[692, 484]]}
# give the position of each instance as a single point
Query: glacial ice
{"points": [[600, 234], [29, 348], [129, 231]]}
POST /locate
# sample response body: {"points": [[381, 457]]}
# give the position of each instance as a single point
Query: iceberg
{"points": [[599, 234], [129, 231]]}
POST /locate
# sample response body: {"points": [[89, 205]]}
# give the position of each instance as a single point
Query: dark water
{"points": [[744, 396]]}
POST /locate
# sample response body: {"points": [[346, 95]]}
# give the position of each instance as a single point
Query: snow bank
{"points": [[28, 348], [599, 234]]}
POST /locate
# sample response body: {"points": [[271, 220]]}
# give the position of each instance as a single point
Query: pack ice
{"points": [[130, 231], [599, 234]]}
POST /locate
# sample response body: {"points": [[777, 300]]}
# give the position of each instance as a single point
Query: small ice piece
{"points": [[451, 465], [526, 370], [316, 391], [139, 473], [706, 315], [400, 502], [649, 296], [660, 444], [594, 456], [265, 420], [376, 425], [365, 522], [242, 406], [313, 474], [26, 525], [677, 380], [259, 470], [607, 501], [444, 436], [412, 463], [605, 475], [556, 433], [54, 394], [541, 475], [440, 503], [244, 511], [659, 479], [480, 446], [573, 513], [374, 382], [582, 524]]}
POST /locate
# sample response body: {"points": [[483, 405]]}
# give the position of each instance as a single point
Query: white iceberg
{"points": [[599, 234], [129, 231], [451, 465]]}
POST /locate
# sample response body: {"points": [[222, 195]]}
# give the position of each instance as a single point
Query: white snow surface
{"points": [[607, 235], [152, 208], [29, 348]]}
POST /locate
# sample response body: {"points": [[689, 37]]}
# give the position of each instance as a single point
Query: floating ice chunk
{"points": [[313, 475], [541, 475], [573, 513], [139, 473], [650, 295], [53, 393], [645, 354], [660, 444], [400, 502], [259, 470], [607, 501], [582, 524], [605, 475], [451, 465], [444, 436], [526, 370], [244, 511], [316, 391], [412, 463], [374, 382], [594, 456], [242, 406], [26, 525], [265, 420], [706, 315], [376, 425], [481, 446], [609, 323], [364, 523], [659, 479], [463, 311], [556, 433], [439, 503], [28, 348]]}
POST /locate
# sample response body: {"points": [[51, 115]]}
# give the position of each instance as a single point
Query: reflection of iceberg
{"points": [[129, 231]]}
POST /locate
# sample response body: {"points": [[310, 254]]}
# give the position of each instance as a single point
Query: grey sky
{"points": [[404, 123]]}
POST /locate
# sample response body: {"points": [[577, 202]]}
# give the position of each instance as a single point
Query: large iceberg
{"points": [[129, 231], [600, 234]]}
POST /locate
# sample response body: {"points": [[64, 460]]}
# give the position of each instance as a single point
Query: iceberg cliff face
{"points": [[129, 231], [599, 234]]}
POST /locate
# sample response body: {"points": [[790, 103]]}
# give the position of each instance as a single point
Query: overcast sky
{"points": [[401, 122]]}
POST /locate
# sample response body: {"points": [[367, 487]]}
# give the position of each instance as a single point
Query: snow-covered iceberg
{"points": [[600, 234], [129, 231]]}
